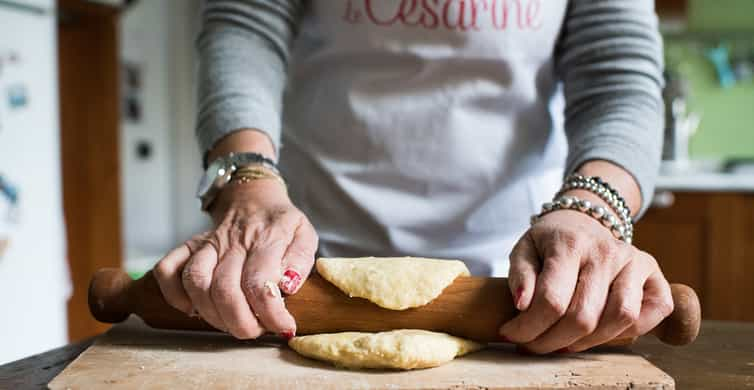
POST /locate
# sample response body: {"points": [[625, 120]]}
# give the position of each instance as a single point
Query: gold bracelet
{"points": [[250, 173]]}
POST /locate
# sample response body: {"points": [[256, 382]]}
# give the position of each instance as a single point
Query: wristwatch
{"points": [[220, 172]]}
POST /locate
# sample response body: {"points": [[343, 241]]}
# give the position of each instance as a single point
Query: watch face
{"points": [[215, 170]]}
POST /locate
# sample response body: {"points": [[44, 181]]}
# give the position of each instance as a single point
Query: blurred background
{"points": [[98, 163]]}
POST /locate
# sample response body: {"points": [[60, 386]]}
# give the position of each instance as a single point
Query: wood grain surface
{"points": [[720, 359], [134, 356]]}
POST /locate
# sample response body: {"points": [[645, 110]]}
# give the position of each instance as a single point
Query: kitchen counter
{"points": [[706, 182], [707, 176], [722, 358]]}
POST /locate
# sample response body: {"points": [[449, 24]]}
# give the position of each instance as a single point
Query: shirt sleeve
{"points": [[610, 59], [243, 51]]}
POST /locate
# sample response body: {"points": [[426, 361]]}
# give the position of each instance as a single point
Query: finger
{"points": [[230, 301], [583, 313], [197, 280], [167, 272], [552, 294], [656, 304], [522, 276], [198, 241], [259, 282], [299, 258], [622, 308]]}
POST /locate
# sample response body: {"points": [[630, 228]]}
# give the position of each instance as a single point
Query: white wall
{"points": [[184, 22], [34, 279], [158, 194]]}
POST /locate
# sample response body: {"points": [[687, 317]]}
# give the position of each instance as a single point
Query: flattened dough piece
{"points": [[396, 283], [399, 349]]}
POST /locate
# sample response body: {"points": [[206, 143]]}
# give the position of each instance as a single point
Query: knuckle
{"points": [[218, 240], [569, 239], [301, 252], [666, 307], [606, 250], [661, 305], [221, 292], [262, 236], [253, 286], [626, 315], [235, 250], [557, 264], [194, 278], [269, 238], [250, 231], [239, 221], [194, 243], [585, 322], [161, 272], [554, 304], [650, 259]]}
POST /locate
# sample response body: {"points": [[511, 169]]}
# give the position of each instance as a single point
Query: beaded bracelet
{"points": [[607, 193], [599, 213]]}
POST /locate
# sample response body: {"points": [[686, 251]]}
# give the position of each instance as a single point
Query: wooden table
{"points": [[722, 358]]}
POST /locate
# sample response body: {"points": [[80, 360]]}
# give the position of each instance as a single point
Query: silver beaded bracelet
{"points": [[607, 193], [599, 213]]}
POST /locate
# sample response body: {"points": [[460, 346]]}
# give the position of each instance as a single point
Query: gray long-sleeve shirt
{"points": [[421, 127]]}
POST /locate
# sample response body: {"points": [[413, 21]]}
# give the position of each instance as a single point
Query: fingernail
{"points": [[563, 350], [519, 295], [287, 334], [504, 339], [523, 350], [290, 280]]}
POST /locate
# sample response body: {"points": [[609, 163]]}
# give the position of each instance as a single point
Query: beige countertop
{"points": [[707, 176]]}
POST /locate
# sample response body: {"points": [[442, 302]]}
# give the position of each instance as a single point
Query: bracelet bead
{"points": [[602, 189], [597, 212], [620, 224]]}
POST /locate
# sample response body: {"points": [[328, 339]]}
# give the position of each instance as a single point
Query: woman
{"points": [[421, 127]]}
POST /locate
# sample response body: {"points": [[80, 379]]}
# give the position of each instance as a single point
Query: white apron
{"points": [[421, 127]]}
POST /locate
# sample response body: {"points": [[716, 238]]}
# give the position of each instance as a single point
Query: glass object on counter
{"points": [[680, 123]]}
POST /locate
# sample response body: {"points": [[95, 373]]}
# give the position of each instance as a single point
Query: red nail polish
{"points": [[563, 350], [519, 295], [287, 334], [504, 339], [290, 280]]}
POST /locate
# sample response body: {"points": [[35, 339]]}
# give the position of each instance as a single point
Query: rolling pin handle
{"points": [[682, 326], [108, 295]]}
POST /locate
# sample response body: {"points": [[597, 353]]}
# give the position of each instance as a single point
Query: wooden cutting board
{"points": [[134, 356]]}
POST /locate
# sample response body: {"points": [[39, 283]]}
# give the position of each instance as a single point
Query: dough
{"points": [[396, 283], [398, 349], [393, 283]]}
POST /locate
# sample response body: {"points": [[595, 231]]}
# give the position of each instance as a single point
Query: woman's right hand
{"points": [[233, 275]]}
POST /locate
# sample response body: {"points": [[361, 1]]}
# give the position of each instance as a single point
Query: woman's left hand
{"points": [[577, 286]]}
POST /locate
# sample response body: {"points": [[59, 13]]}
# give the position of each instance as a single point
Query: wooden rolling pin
{"points": [[471, 307]]}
